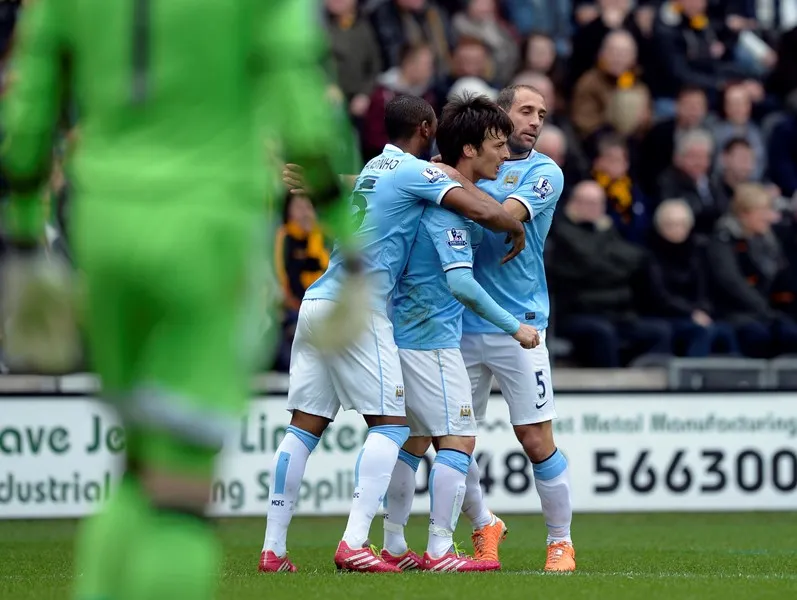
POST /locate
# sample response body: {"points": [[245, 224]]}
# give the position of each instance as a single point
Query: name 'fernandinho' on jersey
{"points": [[387, 203], [519, 286]]}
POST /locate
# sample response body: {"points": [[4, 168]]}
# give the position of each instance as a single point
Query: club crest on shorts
{"points": [[465, 412], [511, 180], [399, 391], [457, 238]]}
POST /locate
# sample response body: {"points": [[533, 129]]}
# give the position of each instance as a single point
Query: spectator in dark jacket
{"points": [[689, 178], [783, 79], [783, 153], [593, 273], [691, 111], [689, 51], [679, 284], [413, 77], [627, 205], [753, 282], [355, 52], [401, 23]]}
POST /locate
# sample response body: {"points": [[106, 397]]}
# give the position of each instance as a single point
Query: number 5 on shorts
{"points": [[540, 385]]}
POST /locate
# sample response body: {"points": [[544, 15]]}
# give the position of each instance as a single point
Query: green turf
{"points": [[622, 557]]}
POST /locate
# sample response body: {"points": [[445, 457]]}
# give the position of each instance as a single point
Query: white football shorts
{"points": [[438, 393], [524, 376], [365, 377]]}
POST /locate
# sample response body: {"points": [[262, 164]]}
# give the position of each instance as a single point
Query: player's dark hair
{"points": [[506, 98], [469, 120], [403, 116], [735, 142]]}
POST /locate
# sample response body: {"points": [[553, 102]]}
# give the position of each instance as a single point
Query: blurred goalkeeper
{"points": [[176, 100]]}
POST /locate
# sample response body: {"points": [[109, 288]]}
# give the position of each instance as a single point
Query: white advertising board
{"points": [[59, 457]]}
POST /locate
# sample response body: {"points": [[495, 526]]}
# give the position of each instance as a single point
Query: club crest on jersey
{"points": [[511, 180], [433, 175], [457, 238], [543, 188]]}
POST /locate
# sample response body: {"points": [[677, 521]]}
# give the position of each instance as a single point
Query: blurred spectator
{"points": [[615, 70], [300, 250], [679, 284], [691, 110], [413, 77], [543, 16], [552, 143], [752, 277], [626, 204], [538, 54], [598, 20], [738, 108], [736, 165], [688, 178], [8, 19], [481, 21], [689, 51], [355, 53], [471, 60], [783, 151], [399, 23], [593, 272], [783, 78]]}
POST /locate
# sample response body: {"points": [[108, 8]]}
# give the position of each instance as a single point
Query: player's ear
{"points": [[470, 151], [426, 129]]}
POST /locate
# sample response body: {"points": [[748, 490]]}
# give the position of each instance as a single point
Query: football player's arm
{"points": [[467, 290], [539, 189], [294, 107], [29, 116], [515, 208]]}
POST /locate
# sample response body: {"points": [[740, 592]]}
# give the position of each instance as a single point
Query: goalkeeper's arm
{"points": [[295, 108], [29, 115]]}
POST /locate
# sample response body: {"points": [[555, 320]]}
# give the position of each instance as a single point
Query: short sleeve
{"points": [[540, 189], [451, 237], [422, 179]]}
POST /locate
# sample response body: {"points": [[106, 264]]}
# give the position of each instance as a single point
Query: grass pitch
{"points": [[747, 556]]}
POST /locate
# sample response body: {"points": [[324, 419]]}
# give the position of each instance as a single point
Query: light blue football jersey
{"points": [[425, 314], [519, 286], [387, 203]]}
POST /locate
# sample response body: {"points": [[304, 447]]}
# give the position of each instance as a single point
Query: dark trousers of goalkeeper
{"points": [[167, 295]]}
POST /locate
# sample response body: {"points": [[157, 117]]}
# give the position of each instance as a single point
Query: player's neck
{"points": [[410, 146], [466, 170]]}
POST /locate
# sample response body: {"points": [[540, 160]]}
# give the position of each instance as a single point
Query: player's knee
{"points": [[380, 420], [310, 423], [399, 434], [417, 446], [537, 440], [460, 443]]}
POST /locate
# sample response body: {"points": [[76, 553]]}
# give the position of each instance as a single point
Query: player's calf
{"points": [[287, 472], [552, 480]]}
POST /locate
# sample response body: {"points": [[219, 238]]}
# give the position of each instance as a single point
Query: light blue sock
{"points": [[398, 502], [552, 480], [446, 493]]}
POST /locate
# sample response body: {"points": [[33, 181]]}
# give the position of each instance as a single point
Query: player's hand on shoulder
{"points": [[449, 170], [527, 336], [516, 237]]}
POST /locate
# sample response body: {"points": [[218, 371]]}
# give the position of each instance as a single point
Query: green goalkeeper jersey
{"points": [[170, 96]]}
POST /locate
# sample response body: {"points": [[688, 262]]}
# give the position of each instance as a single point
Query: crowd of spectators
{"points": [[674, 122]]}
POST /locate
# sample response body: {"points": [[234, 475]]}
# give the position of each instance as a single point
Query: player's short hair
{"points": [[736, 142], [404, 114], [506, 98], [469, 119]]}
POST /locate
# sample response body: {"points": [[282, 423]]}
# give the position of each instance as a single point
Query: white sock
{"points": [[474, 507], [398, 502], [446, 494], [552, 480], [372, 477], [287, 470]]}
